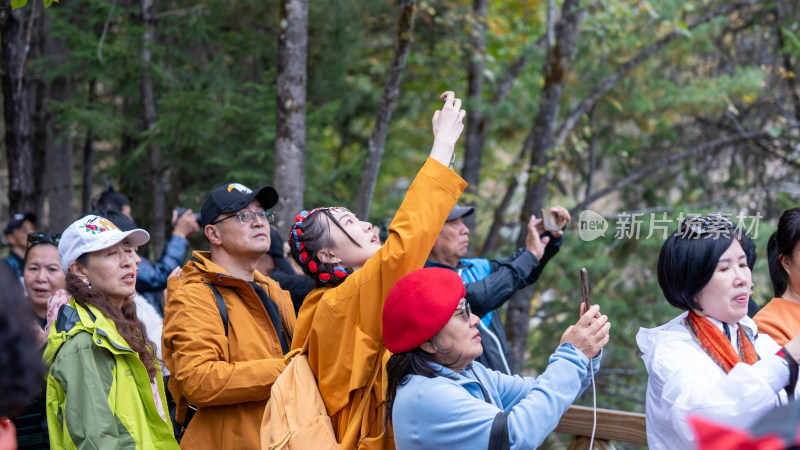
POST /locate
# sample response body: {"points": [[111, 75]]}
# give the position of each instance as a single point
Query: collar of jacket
{"points": [[201, 269], [74, 318], [461, 265], [466, 379], [674, 330]]}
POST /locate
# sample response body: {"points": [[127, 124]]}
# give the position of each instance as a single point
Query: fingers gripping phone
{"points": [[585, 283], [550, 220]]}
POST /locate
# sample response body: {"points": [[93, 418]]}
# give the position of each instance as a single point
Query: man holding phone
{"points": [[490, 283]]}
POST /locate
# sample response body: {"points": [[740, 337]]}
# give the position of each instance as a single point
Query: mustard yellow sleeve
{"points": [[346, 334]]}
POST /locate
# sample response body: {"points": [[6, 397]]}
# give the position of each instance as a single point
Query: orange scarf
{"points": [[717, 345]]}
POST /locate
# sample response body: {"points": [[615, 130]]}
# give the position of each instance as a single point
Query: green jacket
{"points": [[98, 393]]}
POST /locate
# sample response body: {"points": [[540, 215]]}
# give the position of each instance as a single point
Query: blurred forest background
{"points": [[666, 107]]}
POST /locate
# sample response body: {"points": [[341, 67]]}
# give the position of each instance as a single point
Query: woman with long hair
{"points": [[780, 318], [341, 318], [104, 386], [438, 396], [710, 360]]}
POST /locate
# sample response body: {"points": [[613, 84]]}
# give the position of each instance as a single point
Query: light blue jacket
{"points": [[449, 411]]}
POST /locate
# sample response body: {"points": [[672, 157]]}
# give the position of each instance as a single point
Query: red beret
{"points": [[418, 306]]}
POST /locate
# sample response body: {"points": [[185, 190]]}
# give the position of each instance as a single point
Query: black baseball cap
{"points": [[460, 211], [233, 197], [17, 221]]}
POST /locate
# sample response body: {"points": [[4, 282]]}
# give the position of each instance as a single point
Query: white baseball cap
{"points": [[92, 233]]}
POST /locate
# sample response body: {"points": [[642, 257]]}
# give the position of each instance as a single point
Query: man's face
{"points": [[453, 240], [244, 239], [18, 239]]}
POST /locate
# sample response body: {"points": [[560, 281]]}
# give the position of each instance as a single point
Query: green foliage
{"points": [[16, 4]]}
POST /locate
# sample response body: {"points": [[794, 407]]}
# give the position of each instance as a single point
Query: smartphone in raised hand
{"points": [[550, 220], [585, 283]]}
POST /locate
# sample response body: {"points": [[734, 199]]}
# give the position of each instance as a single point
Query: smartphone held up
{"points": [[585, 284]]}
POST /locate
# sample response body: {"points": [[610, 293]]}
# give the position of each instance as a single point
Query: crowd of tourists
{"points": [[402, 337]]}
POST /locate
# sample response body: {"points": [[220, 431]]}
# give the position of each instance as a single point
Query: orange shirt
{"points": [[344, 323], [780, 319]]}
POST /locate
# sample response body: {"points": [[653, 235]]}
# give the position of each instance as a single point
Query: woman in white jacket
{"points": [[710, 360]]}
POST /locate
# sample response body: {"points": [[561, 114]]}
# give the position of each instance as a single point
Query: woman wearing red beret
{"points": [[438, 397]]}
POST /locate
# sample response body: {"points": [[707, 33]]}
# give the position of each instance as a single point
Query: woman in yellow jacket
{"points": [[341, 318]]}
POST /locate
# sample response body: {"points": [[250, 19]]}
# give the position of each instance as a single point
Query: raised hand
{"points": [[533, 243], [590, 334], [447, 127]]}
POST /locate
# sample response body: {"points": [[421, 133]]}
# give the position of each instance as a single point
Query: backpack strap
{"points": [[223, 310], [354, 426], [498, 440]]}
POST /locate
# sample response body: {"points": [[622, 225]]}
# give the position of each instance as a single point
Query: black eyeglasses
{"points": [[715, 223], [247, 217], [41, 238], [466, 310]]}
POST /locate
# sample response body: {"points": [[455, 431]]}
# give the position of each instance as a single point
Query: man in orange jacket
{"points": [[226, 326]]}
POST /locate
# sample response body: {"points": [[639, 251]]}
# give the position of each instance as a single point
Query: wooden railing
{"points": [[611, 426]]}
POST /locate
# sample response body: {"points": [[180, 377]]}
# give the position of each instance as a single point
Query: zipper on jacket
{"points": [[497, 343]]}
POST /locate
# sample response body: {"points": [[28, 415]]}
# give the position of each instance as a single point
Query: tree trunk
{"points": [[475, 130], [556, 67], [290, 127], [512, 183], [16, 110], [58, 168], [88, 153], [36, 37], [784, 19], [391, 91], [156, 173]]}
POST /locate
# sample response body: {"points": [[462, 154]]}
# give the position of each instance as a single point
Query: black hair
{"points": [[749, 247], [30, 246], [687, 262], [315, 236], [782, 243], [20, 357], [399, 369], [111, 199]]}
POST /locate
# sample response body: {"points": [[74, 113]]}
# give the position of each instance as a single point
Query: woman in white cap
{"points": [[439, 397], [104, 387]]}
